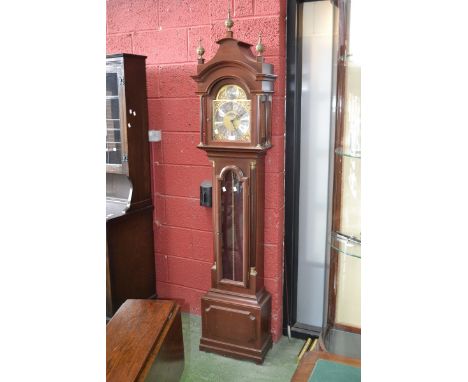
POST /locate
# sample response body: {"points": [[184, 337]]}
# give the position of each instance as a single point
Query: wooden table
{"points": [[144, 342], [309, 360]]}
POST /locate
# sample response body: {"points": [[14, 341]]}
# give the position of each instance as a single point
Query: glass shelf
{"points": [[113, 153], [346, 153], [345, 244], [113, 136]]}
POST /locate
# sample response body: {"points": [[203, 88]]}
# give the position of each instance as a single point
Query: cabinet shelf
{"points": [[346, 244], [346, 153], [113, 148]]}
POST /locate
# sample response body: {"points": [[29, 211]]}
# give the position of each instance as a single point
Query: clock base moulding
{"points": [[236, 326]]}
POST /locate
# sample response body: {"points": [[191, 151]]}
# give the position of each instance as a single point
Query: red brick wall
{"points": [[167, 32]]}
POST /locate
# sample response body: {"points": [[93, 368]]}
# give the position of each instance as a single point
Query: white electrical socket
{"points": [[154, 135]]}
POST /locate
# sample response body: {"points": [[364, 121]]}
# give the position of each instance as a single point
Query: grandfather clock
{"points": [[235, 89]]}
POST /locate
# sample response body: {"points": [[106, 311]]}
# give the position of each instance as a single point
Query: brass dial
{"points": [[231, 115]]}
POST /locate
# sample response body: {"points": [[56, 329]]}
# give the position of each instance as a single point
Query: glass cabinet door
{"points": [[115, 134], [341, 334]]}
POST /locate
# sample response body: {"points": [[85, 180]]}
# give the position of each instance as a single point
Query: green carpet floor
{"points": [[326, 371], [279, 365]]}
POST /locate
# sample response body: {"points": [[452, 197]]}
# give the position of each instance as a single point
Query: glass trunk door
{"points": [[231, 225]]}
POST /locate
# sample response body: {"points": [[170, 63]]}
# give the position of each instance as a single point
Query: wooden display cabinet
{"points": [[341, 333], [129, 212]]}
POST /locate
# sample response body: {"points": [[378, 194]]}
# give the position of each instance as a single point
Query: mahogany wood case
{"points": [[144, 342], [130, 247], [236, 311]]}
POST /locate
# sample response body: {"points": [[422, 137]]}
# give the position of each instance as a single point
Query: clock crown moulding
{"points": [[235, 62], [244, 48], [229, 23]]}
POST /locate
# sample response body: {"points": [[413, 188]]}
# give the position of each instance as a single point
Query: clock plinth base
{"points": [[236, 326]]}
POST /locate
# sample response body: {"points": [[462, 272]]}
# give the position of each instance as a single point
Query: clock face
{"points": [[231, 115]]}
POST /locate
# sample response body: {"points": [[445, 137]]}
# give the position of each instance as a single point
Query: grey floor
{"points": [[279, 365]]}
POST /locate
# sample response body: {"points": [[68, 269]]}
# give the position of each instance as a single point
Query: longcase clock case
{"points": [[235, 132]]}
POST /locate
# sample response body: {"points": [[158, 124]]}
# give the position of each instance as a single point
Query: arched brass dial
{"points": [[231, 115]]}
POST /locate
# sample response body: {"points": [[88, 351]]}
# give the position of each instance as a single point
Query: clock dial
{"points": [[231, 115]]}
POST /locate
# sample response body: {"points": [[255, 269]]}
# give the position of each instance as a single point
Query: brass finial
{"points": [[260, 48], [229, 23], [200, 52]]}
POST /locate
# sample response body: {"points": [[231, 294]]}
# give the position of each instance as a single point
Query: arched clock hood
{"points": [[234, 62]]}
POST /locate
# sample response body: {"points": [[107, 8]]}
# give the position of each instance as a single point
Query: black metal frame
{"points": [[292, 170]]}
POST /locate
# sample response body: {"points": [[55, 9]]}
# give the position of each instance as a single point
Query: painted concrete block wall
{"points": [[167, 32]]}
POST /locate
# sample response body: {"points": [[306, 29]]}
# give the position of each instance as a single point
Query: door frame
{"points": [[292, 175]]}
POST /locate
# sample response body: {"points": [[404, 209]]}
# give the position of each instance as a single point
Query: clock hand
{"points": [[234, 117]]}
